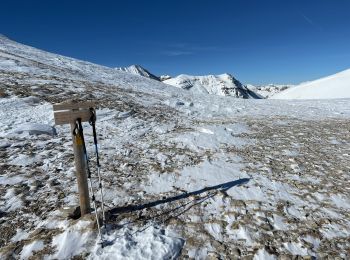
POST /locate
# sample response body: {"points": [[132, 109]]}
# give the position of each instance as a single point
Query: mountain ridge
{"points": [[222, 85]]}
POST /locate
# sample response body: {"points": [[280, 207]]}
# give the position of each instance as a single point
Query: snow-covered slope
{"points": [[334, 86], [267, 91], [222, 85], [138, 70], [30, 68]]}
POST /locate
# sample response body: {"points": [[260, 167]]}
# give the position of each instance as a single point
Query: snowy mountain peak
{"points": [[225, 76], [138, 70], [164, 77], [222, 85]]}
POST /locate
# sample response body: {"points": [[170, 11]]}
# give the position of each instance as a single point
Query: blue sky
{"points": [[257, 41]]}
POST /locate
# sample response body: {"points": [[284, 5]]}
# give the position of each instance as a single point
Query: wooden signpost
{"points": [[68, 114]]}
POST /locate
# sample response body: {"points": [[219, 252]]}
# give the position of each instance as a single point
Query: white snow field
{"points": [[186, 175], [334, 86]]}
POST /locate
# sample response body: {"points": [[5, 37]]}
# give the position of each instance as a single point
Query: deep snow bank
{"points": [[334, 86]]}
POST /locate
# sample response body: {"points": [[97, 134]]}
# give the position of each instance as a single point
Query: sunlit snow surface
{"points": [[333, 86], [185, 174]]}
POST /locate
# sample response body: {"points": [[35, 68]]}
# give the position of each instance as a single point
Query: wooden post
{"points": [[68, 114], [80, 168]]}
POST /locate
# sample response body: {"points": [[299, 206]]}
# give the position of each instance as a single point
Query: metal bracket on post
{"points": [[68, 113]]}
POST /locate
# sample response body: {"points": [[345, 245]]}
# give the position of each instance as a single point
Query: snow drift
{"points": [[334, 86]]}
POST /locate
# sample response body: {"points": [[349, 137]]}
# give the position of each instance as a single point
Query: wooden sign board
{"points": [[67, 113]]}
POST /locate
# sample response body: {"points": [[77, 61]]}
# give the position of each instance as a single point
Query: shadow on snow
{"points": [[221, 187]]}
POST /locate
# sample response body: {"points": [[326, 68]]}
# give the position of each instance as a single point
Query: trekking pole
{"points": [[81, 133], [92, 122]]}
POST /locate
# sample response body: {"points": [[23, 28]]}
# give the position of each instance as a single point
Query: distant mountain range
{"points": [[334, 86], [222, 85]]}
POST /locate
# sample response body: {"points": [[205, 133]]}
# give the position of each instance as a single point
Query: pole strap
{"points": [[92, 122]]}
